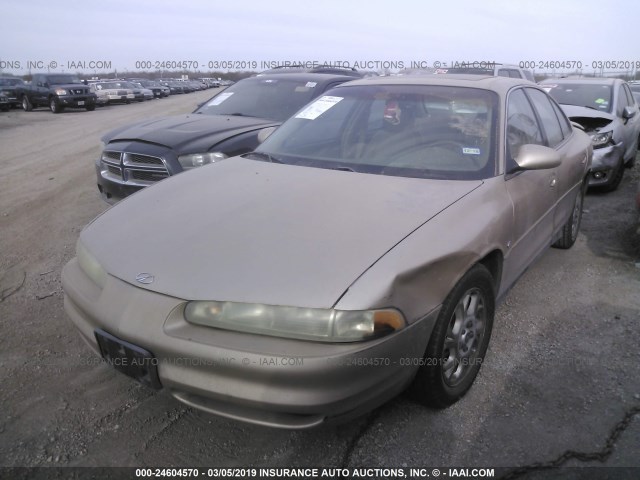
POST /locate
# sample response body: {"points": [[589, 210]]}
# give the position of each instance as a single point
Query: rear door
{"points": [[558, 133], [40, 92]]}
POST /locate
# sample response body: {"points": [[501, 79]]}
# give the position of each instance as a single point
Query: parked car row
{"points": [[61, 91], [370, 236]]}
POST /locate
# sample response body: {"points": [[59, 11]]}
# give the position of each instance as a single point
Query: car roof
{"points": [[332, 70], [500, 85], [584, 80], [305, 76]]}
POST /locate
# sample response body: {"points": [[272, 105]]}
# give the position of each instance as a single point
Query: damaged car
{"points": [[360, 249], [607, 111]]}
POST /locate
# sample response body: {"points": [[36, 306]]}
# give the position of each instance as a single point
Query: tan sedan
{"points": [[360, 249]]}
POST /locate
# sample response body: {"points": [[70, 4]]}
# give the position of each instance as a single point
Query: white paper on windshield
{"points": [[318, 107], [311, 84], [471, 151], [218, 99]]}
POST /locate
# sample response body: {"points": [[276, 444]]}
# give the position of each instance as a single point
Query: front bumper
{"points": [[258, 379], [77, 101], [604, 163], [121, 98]]}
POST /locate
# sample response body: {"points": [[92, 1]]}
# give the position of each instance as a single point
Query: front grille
{"points": [[133, 168], [147, 176], [114, 170], [113, 156], [137, 159], [79, 91]]}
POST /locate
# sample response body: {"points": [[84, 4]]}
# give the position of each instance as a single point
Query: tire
{"points": [[91, 107], [458, 342], [617, 175], [26, 104], [572, 227], [54, 106], [632, 161]]}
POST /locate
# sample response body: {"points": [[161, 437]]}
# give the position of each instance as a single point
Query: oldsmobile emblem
{"points": [[145, 278]]}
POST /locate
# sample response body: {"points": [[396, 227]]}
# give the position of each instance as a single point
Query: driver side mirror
{"points": [[628, 113], [537, 157], [264, 133]]}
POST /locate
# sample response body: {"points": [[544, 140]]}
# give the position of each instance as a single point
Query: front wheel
{"points": [[91, 107], [54, 106], [458, 342], [616, 175]]}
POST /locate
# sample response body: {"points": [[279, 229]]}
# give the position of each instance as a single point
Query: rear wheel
{"points": [[458, 342], [26, 104], [572, 227]]}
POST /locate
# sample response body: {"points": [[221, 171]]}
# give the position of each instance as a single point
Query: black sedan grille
{"points": [[132, 168]]}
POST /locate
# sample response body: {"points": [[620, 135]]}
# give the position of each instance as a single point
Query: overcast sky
{"points": [[121, 33]]}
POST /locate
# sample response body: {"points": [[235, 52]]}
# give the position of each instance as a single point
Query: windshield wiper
{"points": [[342, 169], [263, 155], [238, 114]]}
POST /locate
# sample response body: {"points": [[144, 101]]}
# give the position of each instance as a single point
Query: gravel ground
{"points": [[561, 376]]}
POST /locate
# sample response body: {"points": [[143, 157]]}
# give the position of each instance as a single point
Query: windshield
{"points": [[10, 82], [273, 99], [62, 79], [597, 97], [413, 131]]}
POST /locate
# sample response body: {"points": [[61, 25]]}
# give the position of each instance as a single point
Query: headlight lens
{"points": [[61, 91], [200, 159], [601, 139], [90, 265], [324, 325]]}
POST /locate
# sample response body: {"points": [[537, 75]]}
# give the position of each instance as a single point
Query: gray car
{"points": [[360, 249], [608, 112]]}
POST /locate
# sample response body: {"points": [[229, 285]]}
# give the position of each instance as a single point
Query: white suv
{"points": [[495, 69]]}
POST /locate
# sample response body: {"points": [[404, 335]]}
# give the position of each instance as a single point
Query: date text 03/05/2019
{"points": [[327, 473]]}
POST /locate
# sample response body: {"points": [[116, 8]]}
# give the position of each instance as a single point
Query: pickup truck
{"points": [[56, 91], [9, 87]]}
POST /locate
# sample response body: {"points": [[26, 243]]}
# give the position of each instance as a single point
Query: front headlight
{"points": [[90, 266], [61, 91], [601, 139], [324, 325], [200, 159]]}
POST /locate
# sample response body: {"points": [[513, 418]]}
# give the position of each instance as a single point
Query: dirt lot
{"points": [[562, 373]]}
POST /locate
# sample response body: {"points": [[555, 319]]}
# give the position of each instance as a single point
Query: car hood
{"points": [[249, 231], [191, 131], [575, 111], [69, 85]]}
